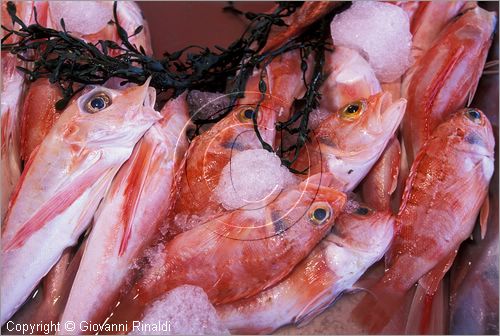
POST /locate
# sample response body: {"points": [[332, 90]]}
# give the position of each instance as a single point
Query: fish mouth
{"points": [[143, 94]]}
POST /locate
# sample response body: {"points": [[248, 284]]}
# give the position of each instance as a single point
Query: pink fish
{"points": [[64, 181], [435, 216], [251, 248], [130, 216], [358, 239]]}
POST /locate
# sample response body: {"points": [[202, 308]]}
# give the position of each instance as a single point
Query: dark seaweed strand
{"points": [[72, 63], [309, 101]]}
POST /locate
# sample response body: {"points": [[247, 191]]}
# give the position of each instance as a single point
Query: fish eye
{"points": [[97, 102], [363, 211], [245, 115], [320, 214], [353, 110], [474, 115]]}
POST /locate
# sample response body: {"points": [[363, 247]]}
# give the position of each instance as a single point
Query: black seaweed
{"points": [[72, 63]]}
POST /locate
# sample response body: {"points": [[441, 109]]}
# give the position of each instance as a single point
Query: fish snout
{"points": [[144, 97]]}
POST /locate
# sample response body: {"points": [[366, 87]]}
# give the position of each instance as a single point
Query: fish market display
{"points": [[330, 170]]}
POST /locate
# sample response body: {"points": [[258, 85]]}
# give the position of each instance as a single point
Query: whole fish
{"points": [[445, 78], [64, 181], [358, 239], [435, 216], [349, 142], [130, 216], [242, 252], [39, 112], [349, 77], [211, 151]]}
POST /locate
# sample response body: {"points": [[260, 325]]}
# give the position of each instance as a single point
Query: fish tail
{"points": [[378, 306]]}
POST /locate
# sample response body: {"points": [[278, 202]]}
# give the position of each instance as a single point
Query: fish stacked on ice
{"points": [[124, 220]]}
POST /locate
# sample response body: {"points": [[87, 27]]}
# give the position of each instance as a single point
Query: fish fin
{"points": [[134, 187], [484, 215], [315, 307], [421, 311], [54, 206], [376, 309]]}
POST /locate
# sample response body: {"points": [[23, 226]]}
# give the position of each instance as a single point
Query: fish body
{"points": [[357, 240], [251, 248], [130, 216], [13, 89], [445, 78], [428, 21], [382, 180], [349, 142], [435, 216], [63, 183]]}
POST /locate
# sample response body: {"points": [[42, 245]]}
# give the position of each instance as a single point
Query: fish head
{"points": [[308, 208], [350, 77], [364, 229], [470, 131], [237, 130], [104, 116], [305, 210], [361, 124]]}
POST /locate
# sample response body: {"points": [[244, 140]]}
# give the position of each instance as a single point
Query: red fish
{"points": [[435, 216]]}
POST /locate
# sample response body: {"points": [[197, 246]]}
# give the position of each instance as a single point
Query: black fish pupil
{"points": [[248, 114], [320, 214], [352, 108], [362, 211], [474, 114], [98, 103]]}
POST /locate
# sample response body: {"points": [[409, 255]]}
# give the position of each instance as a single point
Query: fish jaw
{"points": [[350, 78], [126, 221]]}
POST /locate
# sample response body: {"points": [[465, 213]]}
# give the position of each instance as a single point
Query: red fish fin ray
{"points": [[134, 188], [377, 308], [420, 315], [316, 306], [55, 206], [484, 215]]}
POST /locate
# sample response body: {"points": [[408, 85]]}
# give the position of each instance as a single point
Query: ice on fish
{"points": [[252, 178], [380, 32], [184, 310], [82, 17]]}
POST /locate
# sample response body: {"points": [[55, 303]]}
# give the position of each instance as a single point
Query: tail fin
{"points": [[426, 312], [376, 309]]}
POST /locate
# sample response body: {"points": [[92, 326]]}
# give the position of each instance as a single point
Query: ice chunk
{"points": [[184, 310], [380, 32], [82, 17], [251, 179]]}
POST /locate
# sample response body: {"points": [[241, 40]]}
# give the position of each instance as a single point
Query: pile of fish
{"points": [[109, 209]]}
